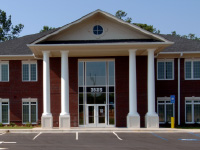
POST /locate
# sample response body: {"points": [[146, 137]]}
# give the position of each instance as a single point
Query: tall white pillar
{"points": [[151, 118], [133, 118], [47, 119], [64, 119]]}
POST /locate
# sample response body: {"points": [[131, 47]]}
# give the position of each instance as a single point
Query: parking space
{"points": [[97, 141]]}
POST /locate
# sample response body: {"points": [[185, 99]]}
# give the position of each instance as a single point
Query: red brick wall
{"points": [[15, 90], [168, 87], [122, 88], [55, 86]]}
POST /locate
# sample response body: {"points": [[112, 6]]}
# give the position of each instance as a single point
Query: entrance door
{"points": [[96, 115]]}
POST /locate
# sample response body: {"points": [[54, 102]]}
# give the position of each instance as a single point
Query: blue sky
{"points": [[182, 16]]}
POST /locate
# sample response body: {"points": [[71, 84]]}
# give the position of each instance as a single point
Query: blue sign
{"points": [[172, 98]]}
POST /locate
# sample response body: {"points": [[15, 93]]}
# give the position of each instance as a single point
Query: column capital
{"points": [[132, 50], [46, 52], [151, 49], [64, 51]]}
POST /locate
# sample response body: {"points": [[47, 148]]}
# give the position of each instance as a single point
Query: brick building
{"points": [[99, 71]]}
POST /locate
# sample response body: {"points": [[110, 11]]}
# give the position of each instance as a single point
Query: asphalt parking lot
{"points": [[99, 141]]}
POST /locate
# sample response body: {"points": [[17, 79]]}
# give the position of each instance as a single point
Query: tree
{"points": [[46, 28], [7, 30], [122, 14], [189, 36]]}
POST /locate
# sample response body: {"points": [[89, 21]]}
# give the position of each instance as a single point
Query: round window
{"points": [[97, 30]]}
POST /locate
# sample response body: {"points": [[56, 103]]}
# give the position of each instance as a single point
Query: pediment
{"points": [[113, 29]]}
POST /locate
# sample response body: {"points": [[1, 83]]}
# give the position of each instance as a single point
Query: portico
{"points": [[88, 45]]}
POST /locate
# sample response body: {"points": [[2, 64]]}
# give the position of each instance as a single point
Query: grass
{"points": [[17, 127]]}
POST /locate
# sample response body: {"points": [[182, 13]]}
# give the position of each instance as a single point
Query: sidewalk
{"points": [[100, 130]]}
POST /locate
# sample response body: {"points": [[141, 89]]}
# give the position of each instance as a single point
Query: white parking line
{"points": [[76, 135], [3, 133], [10, 142], [117, 136], [3, 148], [37, 135]]}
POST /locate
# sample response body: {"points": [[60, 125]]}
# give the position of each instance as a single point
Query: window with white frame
{"points": [[192, 109], [165, 69], [192, 69], [165, 109], [29, 70], [29, 110], [4, 71], [4, 111]]}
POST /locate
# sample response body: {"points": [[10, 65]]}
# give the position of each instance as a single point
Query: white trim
{"points": [[166, 60], [29, 100], [192, 103], [165, 99], [29, 62], [179, 91]]}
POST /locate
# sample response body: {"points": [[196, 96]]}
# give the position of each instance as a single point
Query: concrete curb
{"points": [[99, 130]]}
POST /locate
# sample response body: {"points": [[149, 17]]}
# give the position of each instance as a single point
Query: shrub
{"points": [[28, 124], [1, 125], [12, 124]]}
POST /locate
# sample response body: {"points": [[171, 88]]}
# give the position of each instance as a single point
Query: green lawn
{"points": [[18, 127]]}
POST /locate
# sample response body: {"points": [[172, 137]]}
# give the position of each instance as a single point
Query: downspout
{"points": [[179, 88]]}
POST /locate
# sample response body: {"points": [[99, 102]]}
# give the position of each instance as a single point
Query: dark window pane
{"points": [[161, 70], [80, 98], [188, 70], [81, 115], [169, 112], [161, 113], [111, 73], [4, 113], [96, 98], [25, 113], [188, 113], [111, 114], [196, 112], [111, 98], [33, 114], [111, 89], [169, 70]]}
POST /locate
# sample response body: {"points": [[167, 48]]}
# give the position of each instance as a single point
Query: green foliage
{"points": [[12, 124], [28, 124], [7, 30], [189, 36], [122, 14], [46, 28], [1, 124]]}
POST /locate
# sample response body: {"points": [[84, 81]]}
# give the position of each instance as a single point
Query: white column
{"points": [[151, 119], [64, 119], [47, 119], [133, 118]]}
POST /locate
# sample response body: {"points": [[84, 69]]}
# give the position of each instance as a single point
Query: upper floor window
{"points": [[4, 71], [29, 70], [192, 69], [165, 69]]}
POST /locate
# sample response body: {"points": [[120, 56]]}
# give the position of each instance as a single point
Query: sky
{"points": [[182, 16]]}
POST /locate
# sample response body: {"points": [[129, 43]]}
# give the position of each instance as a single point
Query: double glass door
{"points": [[96, 115]]}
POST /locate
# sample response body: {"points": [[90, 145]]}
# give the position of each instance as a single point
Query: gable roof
{"points": [[18, 46], [181, 44], [110, 16]]}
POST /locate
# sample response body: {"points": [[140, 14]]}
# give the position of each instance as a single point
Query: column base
{"points": [[47, 121], [64, 121], [151, 121], [133, 121]]}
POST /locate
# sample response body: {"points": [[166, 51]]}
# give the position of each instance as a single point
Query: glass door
{"points": [[91, 115], [101, 115]]}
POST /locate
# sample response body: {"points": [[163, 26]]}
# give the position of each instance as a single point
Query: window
{"points": [[4, 111], [165, 109], [97, 29], [29, 71], [4, 71], [29, 110], [192, 109], [165, 69], [192, 69]]}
